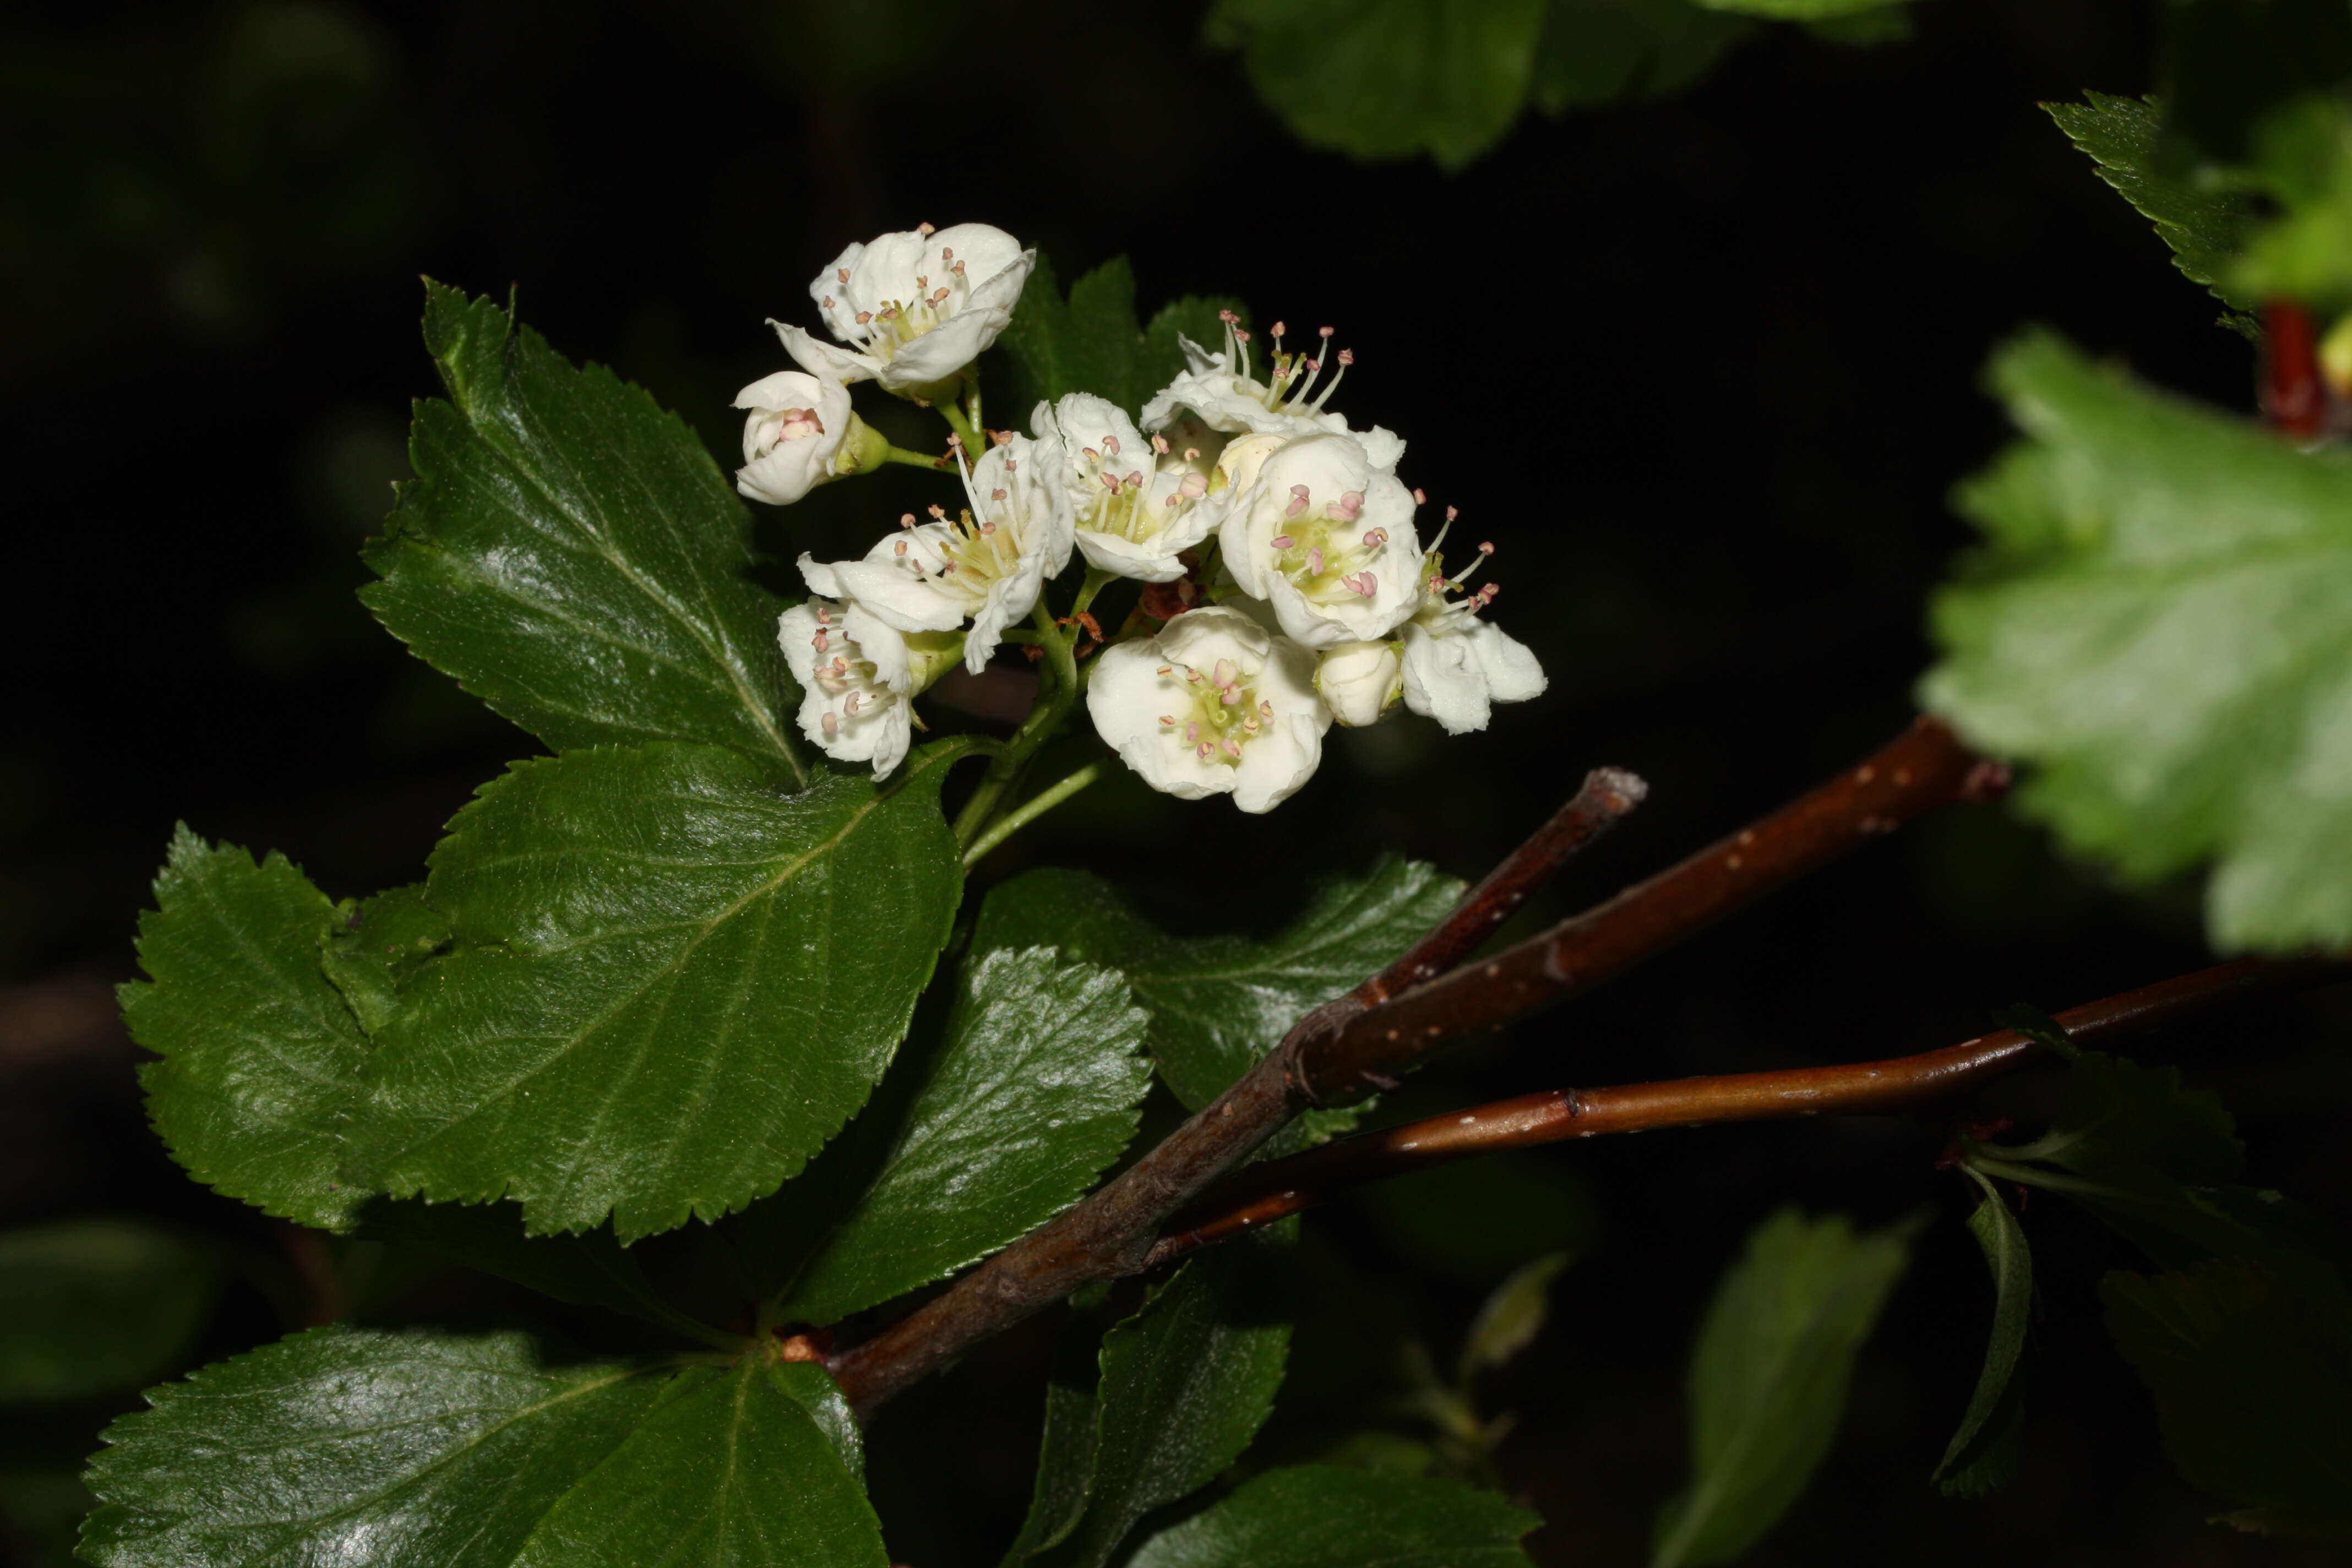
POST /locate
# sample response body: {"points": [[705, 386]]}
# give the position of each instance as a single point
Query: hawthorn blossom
{"points": [[914, 307], [1326, 538], [1456, 667], [988, 564], [1359, 681], [1138, 503], [857, 677], [797, 436], [1224, 391], [1213, 705]]}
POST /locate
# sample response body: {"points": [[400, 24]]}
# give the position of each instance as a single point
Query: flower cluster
{"points": [[1286, 586]]}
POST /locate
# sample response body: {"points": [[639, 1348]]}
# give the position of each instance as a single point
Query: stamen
{"points": [[1284, 541]]}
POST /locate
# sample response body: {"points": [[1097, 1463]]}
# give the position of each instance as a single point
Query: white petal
{"points": [[821, 358], [1359, 681], [1443, 680], [1152, 563], [1201, 637], [941, 352], [1512, 673], [820, 576], [880, 644], [900, 595]]}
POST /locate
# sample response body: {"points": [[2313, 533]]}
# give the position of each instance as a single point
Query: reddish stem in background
{"points": [[1260, 1195], [2294, 397]]}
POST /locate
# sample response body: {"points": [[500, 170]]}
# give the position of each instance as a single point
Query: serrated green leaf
{"points": [[672, 983], [1595, 53], [1034, 1090], [570, 552], [2163, 628], [1065, 1470], [97, 1306], [1325, 1516], [2253, 1378], [2206, 228], [375, 945], [261, 1054], [1387, 79], [423, 1449], [1510, 1318], [1220, 1003], [1982, 1454], [2117, 1112], [1094, 341], [1769, 1378], [1186, 1382]]}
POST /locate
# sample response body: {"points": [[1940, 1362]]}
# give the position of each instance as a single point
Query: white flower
{"points": [[1223, 390], [797, 436], [988, 564], [1213, 705], [1326, 539], [1138, 503], [1456, 667], [914, 308], [856, 679], [1359, 681]]}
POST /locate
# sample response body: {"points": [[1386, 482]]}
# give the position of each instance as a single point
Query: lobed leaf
{"points": [[2206, 228], [1036, 1089], [571, 555], [1332, 1516], [1769, 1378], [1599, 52], [2163, 628], [1186, 1382], [425, 1450], [2251, 1377], [1982, 1454], [1218, 1004], [97, 1306], [671, 984], [1388, 78], [260, 1052]]}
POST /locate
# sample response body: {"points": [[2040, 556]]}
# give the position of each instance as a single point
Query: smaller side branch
{"points": [[1260, 1195], [1607, 797], [1362, 1051]]}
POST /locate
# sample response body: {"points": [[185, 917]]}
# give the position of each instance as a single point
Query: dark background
{"points": [[1704, 371]]}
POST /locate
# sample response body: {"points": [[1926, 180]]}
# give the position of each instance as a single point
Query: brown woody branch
{"points": [[1370, 1038], [1367, 1050], [1260, 1195]]}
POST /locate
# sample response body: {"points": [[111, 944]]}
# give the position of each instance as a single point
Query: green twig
{"points": [[1029, 811], [1057, 690], [912, 460]]}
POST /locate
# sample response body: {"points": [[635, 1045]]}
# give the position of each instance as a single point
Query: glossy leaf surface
{"points": [[423, 1449], [570, 554], [1329, 1516], [261, 1053], [1033, 1091], [673, 982]]}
